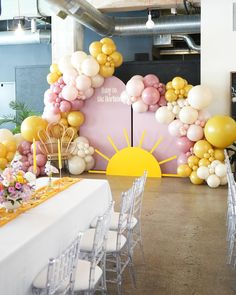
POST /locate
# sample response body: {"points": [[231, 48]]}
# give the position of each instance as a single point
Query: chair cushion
{"points": [[86, 244], [82, 275], [41, 280], [114, 221]]}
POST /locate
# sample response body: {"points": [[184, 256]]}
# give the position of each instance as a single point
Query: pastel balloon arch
{"points": [[73, 80]]}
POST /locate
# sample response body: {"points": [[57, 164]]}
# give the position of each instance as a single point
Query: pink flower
{"points": [[18, 185], [11, 189]]}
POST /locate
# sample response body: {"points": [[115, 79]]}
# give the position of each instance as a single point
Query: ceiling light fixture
{"points": [[19, 30], [150, 23]]}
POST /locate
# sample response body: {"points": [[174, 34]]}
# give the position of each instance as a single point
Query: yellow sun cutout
{"points": [[132, 161]]}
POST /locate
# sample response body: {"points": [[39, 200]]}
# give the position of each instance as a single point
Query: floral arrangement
{"points": [[15, 184]]}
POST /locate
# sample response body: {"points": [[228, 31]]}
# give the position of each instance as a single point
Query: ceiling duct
{"points": [[90, 17], [10, 38], [189, 40]]}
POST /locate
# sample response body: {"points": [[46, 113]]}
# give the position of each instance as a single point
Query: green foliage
{"points": [[22, 112]]}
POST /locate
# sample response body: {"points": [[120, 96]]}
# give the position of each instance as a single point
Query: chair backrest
{"points": [[61, 270], [99, 242], [139, 186]]}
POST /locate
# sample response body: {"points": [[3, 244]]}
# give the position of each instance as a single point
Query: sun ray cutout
{"points": [[132, 161]]}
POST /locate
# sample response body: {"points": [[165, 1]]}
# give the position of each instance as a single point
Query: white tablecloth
{"points": [[27, 242]]}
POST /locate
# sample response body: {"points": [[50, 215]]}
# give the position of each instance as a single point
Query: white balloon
{"points": [[134, 87], [223, 180], [6, 134], [220, 170], [81, 153], [91, 150], [213, 181], [77, 58], [199, 97], [89, 92], [195, 132], [203, 115], [139, 106], [64, 64], [90, 67], [69, 93], [50, 117], [18, 138], [97, 81], [137, 77], [125, 98], [215, 163], [188, 115], [88, 158], [83, 82], [90, 164], [69, 75], [76, 165], [81, 139], [203, 172], [164, 116], [174, 128]]}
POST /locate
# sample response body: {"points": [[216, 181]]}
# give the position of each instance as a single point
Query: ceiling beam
{"points": [[132, 5]]}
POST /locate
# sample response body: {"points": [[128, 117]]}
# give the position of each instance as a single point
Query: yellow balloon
{"points": [[52, 78], [195, 179], [117, 58], [220, 131], [54, 69], [169, 85], [184, 170], [30, 127], [64, 122], [204, 162], [64, 115], [170, 95], [108, 48], [178, 83], [3, 150], [3, 163], [219, 155], [187, 89], [107, 40], [95, 48], [10, 156], [102, 58], [10, 145], [106, 71], [201, 147], [193, 160], [75, 118]]}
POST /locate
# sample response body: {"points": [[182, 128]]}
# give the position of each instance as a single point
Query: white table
{"points": [[27, 242]]}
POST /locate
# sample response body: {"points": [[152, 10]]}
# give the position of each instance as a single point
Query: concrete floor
{"points": [[184, 239]]}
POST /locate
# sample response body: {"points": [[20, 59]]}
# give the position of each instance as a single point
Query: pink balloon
{"points": [[77, 104], [151, 81], [184, 144], [174, 128], [24, 159], [60, 80], [31, 169], [25, 166], [30, 159], [195, 132], [24, 147], [182, 159], [153, 107], [41, 160], [38, 147], [150, 95], [57, 89], [65, 106], [42, 171], [49, 96], [162, 101], [89, 92]]}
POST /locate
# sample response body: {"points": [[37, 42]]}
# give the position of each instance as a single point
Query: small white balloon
{"points": [[223, 180], [220, 170], [215, 163], [76, 165], [88, 158], [77, 58], [90, 67], [81, 139], [188, 115], [203, 172], [97, 81], [90, 164], [213, 181], [139, 106], [81, 153], [164, 116]]}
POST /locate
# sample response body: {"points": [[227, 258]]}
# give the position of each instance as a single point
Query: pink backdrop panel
{"points": [[167, 148], [106, 115]]}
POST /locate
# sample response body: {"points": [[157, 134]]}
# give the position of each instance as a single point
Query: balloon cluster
{"points": [[104, 51], [54, 74], [201, 165], [176, 89], [144, 93], [25, 149], [82, 159], [8, 147]]}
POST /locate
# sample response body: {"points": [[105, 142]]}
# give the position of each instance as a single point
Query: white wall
{"points": [[218, 51]]}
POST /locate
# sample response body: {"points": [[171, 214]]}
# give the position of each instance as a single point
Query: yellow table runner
{"points": [[39, 196]]}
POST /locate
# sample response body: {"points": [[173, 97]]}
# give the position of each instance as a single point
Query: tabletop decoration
{"points": [[49, 170], [16, 186]]}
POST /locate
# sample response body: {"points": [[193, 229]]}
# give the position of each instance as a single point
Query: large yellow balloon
{"points": [[106, 71], [30, 127], [3, 150], [95, 48], [75, 119], [178, 83], [117, 58], [201, 147], [195, 179], [184, 170], [220, 131]]}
